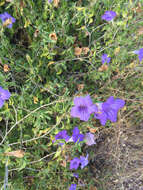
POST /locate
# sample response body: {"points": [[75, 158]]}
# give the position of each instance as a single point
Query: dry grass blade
{"points": [[16, 153]]}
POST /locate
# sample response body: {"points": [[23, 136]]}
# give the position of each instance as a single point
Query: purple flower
{"points": [[108, 15], [5, 16], [84, 161], [76, 136], [83, 108], [74, 164], [105, 59], [139, 53], [62, 135], [4, 95], [102, 116], [75, 175], [72, 187], [50, 1], [109, 110], [89, 138]]}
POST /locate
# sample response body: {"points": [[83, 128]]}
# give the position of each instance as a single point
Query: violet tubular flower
{"points": [[139, 53], [83, 161], [72, 187], [109, 110], [100, 114], [62, 135], [108, 15], [89, 139], [83, 108], [75, 175], [105, 59], [7, 19], [4, 95], [74, 164], [77, 136]]}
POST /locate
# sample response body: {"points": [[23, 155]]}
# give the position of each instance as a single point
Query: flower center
{"points": [[7, 21], [82, 108]]}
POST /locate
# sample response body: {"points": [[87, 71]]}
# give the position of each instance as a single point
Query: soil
{"points": [[118, 160]]}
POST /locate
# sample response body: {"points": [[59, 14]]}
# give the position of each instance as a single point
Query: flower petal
{"points": [[112, 115], [83, 161], [74, 164], [119, 103], [72, 187], [89, 138], [92, 109], [74, 111], [102, 117], [78, 101]]}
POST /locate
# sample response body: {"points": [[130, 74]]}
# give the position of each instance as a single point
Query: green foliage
{"points": [[44, 75]]}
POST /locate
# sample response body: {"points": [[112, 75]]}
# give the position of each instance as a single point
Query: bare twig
{"points": [[36, 138], [18, 122]]}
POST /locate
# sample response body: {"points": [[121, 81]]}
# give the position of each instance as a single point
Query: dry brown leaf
{"points": [[140, 31], [63, 163], [35, 99], [36, 33], [93, 188], [103, 68], [92, 130], [85, 50], [16, 153], [56, 3], [138, 9], [53, 36], [5, 68], [77, 51], [22, 4]]}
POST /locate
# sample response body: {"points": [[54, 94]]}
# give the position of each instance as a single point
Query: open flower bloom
{"points": [[105, 59], [77, 136], [84, 161], [74, 164], [72, 187], [75, 175], [109, 110], [83, 108], [89, 139], [108, 15], [7, 19], [4, 95], [101, 115], [139, 53], [62, 135]]}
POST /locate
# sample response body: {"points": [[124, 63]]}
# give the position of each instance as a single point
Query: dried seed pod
{"points": [[85, 50], [5, 68], [77, 51], [53, 36]]}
